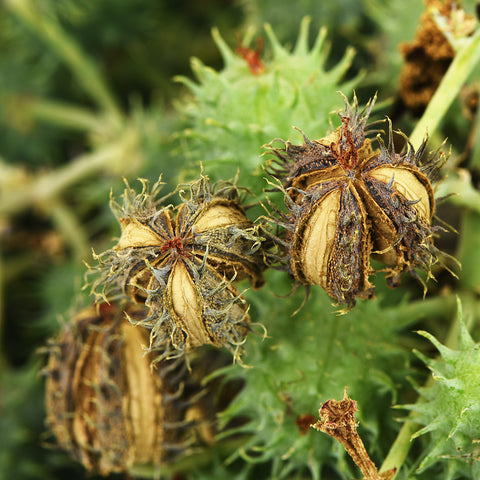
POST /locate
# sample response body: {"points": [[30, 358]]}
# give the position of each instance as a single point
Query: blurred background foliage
{"points": [[88, 97]]}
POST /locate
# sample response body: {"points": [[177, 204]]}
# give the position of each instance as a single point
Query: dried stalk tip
{"points": [[347, 202], [181, 263], [337, 419], [108, 408]]}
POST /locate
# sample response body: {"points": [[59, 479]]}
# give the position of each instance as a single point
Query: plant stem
{"points": [[475, 160], [455, 77], [2, 313], [458, 184], [410, 313], [43, 188], [399, 450], [468, 252], [46, 27], [68, 225], [62, 115]]}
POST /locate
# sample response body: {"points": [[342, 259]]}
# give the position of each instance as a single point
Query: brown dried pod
{"points": [[347, 201], [107, 407], [182, 263], [429, 55]]}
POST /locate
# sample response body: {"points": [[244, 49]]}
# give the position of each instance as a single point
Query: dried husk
{"points": [[198, 306], [311, 252], [330, 243], [213, 220], [181, 263], [399, 195], [106, 406], [132, 261], [348, 201]]}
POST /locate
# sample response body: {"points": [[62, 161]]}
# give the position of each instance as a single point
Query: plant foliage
{"points": [[87, 99]]}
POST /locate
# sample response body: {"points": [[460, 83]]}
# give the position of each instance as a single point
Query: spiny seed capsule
{"points": [[347, 201], [181, 262], [107, 407]]}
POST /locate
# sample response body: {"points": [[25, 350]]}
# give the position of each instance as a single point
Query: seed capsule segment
{"points": [[312, 251], [106, 406], [181, 263], [219, 226], [409, 184], [197, 306], [349, 268], [347, 201], [326, 240]]}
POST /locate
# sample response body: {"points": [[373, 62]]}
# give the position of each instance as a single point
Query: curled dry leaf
{"points": [[347, 201], [106, 406], [181, 262]]}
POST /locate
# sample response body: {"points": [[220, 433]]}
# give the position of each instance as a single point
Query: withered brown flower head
{"points": [[107, 407], [347, 201], [429, 55], [181, 262]]}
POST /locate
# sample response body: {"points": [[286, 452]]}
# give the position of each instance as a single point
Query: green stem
{"points": [[455, 77], [410, 313], [43, 188], [399, 450], [475, 160], [2, 313], [65, 46], [462, 193], [68, 225], [469, 251], [62, 115]]}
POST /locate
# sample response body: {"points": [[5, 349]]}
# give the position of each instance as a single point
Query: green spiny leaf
{"points": [[235, 111], [450, 408]]}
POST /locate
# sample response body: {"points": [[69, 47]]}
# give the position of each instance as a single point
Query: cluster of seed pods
{"points": [[168, 286]]}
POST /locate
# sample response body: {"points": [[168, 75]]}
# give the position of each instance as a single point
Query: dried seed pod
{"points": [[182, 262], [347, 201], [107, 407], [428, 56], [212, 219], [191, 305]]}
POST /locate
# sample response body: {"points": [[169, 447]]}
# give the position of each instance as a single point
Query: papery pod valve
{"points": [[181, 262], [107, 407], [347, 202]]}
